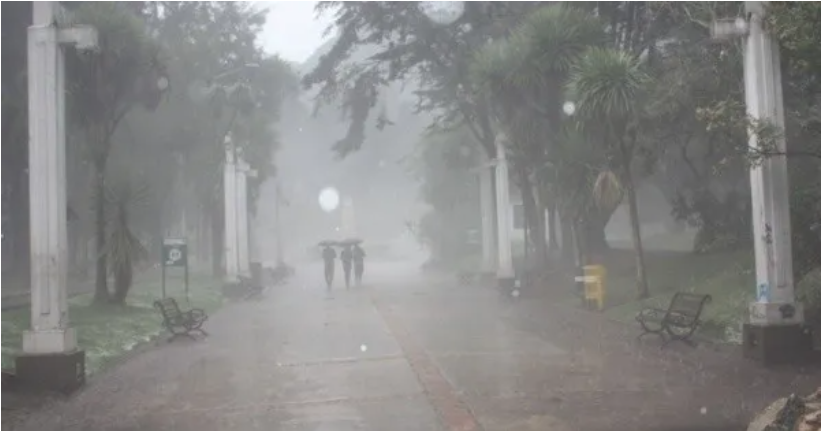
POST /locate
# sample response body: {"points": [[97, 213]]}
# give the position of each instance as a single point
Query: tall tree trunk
{"points": [[124, 273], [566, 219], [123, 279], [552, 214], [635, 224], [594, 232], [20, 225], [533, 220], [577, 242], [217, 239], [101, 294]]}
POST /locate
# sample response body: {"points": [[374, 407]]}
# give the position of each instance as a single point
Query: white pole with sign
{"points": [[174, 255]]}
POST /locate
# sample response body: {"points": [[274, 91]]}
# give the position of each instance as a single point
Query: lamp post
{"points": [[51, 359], [775, 331]]}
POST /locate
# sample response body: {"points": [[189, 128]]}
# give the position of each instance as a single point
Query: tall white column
{"points": [[486, 199], [775, 295], [49, 331], [504, 271], [242, 217], [230, 198]]}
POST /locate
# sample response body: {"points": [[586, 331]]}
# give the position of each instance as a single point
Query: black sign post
{"points": [[175, 254]]}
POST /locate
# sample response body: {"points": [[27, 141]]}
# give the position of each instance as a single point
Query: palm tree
{"points": [[609, 86], [103, 86], [492, 70], [525, 76], [123, 247]]}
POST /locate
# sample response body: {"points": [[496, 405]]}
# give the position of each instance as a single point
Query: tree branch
{"points": [[788, 153]]}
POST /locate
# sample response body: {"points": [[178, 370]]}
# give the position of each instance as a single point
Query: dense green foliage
{"points": [[657, 102], [449, 185], [147, 116]]}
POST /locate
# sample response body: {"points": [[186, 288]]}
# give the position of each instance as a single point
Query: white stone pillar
{"points": [[230, 203], [49, 331], [504, 271], [775, 296], [486, 197], [242, 217]]}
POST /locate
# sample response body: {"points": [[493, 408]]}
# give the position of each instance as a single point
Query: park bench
{"points": [[180, 323], [466, 277], [251, 287], [280, 274], [678, 322]]}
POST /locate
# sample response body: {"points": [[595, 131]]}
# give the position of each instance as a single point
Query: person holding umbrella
{"points": [[358, 263], [347, 258], [328, 255]]}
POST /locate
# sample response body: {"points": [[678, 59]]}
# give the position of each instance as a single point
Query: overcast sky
{"points": [[292, 31]]}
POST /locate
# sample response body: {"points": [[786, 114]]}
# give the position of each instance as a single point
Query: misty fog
{"points": [[497, 216]]}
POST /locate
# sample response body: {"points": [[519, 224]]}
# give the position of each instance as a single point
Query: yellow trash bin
{"points": [[594, 285]]}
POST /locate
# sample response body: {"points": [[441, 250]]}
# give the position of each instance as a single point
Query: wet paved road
{"points": [[401, 353]]}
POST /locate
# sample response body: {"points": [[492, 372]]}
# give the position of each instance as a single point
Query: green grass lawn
{"points": [[727, 277], [108, 332]]}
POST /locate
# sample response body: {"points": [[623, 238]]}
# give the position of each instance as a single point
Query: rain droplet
{"points": [[363, 348], [515, 293], [704, 410]]}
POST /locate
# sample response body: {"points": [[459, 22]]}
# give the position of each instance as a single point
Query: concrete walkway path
{"points": [[404, 352]]}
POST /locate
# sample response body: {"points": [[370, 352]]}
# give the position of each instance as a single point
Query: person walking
{"points": [[358, 263], [329, 255], [347, 258]]}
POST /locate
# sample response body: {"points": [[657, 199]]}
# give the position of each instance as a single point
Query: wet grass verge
{"points": [[106, 333], [731, 287], [728, 277]]}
